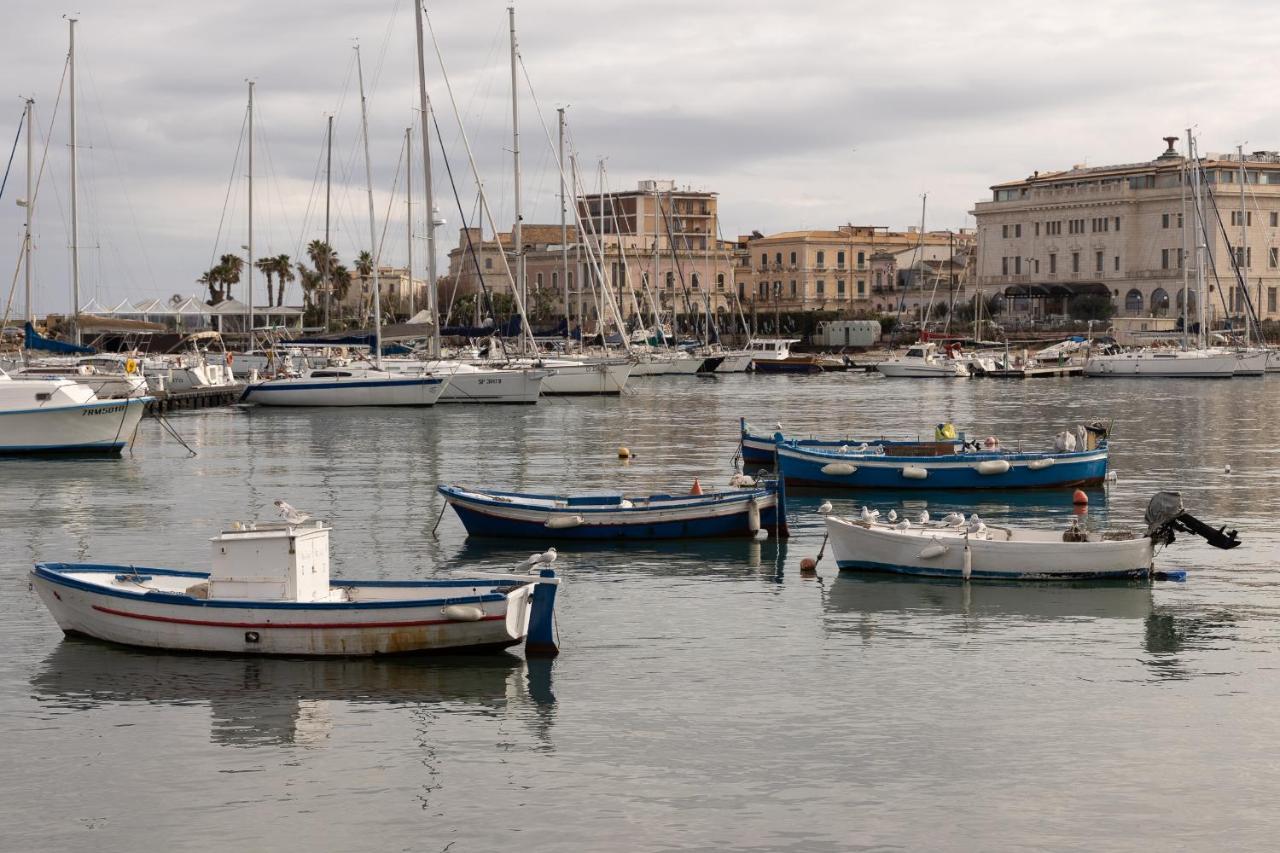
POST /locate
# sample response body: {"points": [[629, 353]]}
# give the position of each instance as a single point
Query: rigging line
{"points": [[311, 199], [1250, 315], [502, 254], [231, 180], [124, 187], [261, 126], [471, 250], [386, 220], [22, 120]]}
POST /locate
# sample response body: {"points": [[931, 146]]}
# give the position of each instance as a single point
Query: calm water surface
{"points": [[708, 697]]}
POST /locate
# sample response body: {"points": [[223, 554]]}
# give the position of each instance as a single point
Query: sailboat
{"points": [[354, 385], [55, 414], [1200, 361]]}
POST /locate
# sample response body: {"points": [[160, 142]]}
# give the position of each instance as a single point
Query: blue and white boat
{"points": [[946, 465], [971, 549], [39, 416], [270, 593], [741, 512], [758, 447]]}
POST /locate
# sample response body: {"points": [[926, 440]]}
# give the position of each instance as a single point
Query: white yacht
{"points": [[348, 386], [923, 361], [471, 384], [61, 416], [110, 377], [1171, 362]]}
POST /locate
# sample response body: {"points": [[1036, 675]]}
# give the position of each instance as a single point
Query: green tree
{"points": [[1091, 307], [364, 269], [284, 273], [267, 266]]}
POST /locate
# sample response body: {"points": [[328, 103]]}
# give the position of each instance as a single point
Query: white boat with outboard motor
{"points": [[924, 361], [956, 547], [269, 592]]}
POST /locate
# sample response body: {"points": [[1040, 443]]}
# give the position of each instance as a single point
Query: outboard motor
{"points": [[1165, 514]]}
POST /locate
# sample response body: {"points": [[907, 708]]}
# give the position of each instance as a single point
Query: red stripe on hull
{"points": [[274, 625]]}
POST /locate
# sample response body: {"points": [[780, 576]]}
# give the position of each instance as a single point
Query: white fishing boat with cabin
{"points": [[924, 361], [269, 592]]}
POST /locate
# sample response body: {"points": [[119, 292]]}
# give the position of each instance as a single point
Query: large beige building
{"points": [[856, 268], [1118, 231], [656, 233]]}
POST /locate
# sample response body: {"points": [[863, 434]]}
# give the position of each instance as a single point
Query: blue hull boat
{"points": [[883, 468], [742, 512], [757, 447]]}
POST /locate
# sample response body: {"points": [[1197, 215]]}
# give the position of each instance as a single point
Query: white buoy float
{"points": [[914, 472], [839, 469], [936, 549], [462, 613], [753, 515], [563, 522], [993, 466], [1039, 464]]}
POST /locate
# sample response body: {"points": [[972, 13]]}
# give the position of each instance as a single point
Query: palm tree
{"points": [[324, 259], [284, 273], [230, 267], [210, 278], [364, 269], [267, 266]]}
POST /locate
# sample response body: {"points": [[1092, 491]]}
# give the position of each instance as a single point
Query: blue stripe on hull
{"points": [[802, 472], [977, 574], [483, 524], [103, 449]]}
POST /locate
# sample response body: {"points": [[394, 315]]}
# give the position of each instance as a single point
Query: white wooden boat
{"points": [[61, 416], [269, 592], [959, 548], [347, 386], [923, 361]]}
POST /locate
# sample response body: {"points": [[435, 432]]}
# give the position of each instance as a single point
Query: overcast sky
{"points": [[798, 115]]}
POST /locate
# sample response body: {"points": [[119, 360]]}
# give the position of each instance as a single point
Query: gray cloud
{"points": [[798, 115]]}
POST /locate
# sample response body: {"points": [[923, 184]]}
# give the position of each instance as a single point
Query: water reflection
{"points": [[273, 701], [866, 605], [1169, 636]]}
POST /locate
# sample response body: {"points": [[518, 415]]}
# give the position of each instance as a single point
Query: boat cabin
{"points": [[777, 348], [271, 562]]}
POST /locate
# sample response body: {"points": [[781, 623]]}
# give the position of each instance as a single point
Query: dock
{"points": [[163, 402]]}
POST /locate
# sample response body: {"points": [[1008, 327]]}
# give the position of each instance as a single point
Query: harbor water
{"points": [[708, 696]]}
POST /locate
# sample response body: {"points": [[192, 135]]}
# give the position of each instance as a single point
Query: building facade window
{"points": [[488, 263], [840, 288], [822, 259], [720, 282], [1159, 302], [793, 259], [862, 259], [822, 287], [555, 280], [1273, 257], [1075, 262], [1164, 220], [862, 287], [1097, 262], [1053, 263], [1116, 264], [1271, 300], [1133, 302], [840, 259], [1017, 230], [1004, 266], [1164, 259], [1017, 265], [1004, 232]]}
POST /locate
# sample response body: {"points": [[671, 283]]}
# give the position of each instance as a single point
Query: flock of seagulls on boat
{"points": [[951, 519]]}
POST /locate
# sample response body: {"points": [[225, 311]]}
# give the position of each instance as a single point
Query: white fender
{"points": [[968, 560], [839, 469], [462, 612], [937, 549], [753, 515], [914, 472], [560, 522], [1039, 464], [993, 466]]}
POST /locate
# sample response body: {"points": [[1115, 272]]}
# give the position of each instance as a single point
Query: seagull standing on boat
{"points": [[924, 517], [825, 509], [953, 519], [893, 515], [869, 514], [546, 558], [290, 514]]}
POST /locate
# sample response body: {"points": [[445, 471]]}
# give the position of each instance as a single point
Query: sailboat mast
{"points": [[1182, 261], [424, 107], [564, 229], [249, 299], [577, 249], [75, 204], [328, 192], [1198, 230], [1244, 251], [373, 237], [30, 206], [408, 211], [517, 236]]}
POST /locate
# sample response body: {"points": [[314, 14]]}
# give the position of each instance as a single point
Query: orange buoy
{"points": [[697, 487], [1080, 498], [808, 564]]}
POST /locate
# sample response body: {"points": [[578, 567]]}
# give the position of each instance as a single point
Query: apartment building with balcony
{"points": [[655, 233], [855, 268], [1118, 231]]}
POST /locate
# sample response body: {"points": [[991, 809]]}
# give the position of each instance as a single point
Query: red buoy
{"points": [[697, 487], [1080, 498]]}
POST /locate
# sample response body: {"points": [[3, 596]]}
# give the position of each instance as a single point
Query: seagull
{"points": [[924, 517], [869, 514], [545, 558], [863, 448], [778, 427], [893, 515], [825, 509], [905, 524], [975, 524], [290, 514], [844, 448], [953, 519], [741, 480]]}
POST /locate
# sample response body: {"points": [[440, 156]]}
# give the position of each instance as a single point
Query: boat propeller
{"points": [[1165, 514]]}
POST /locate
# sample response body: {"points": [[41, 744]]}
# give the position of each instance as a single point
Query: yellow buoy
{"points": [[624, 453]]}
